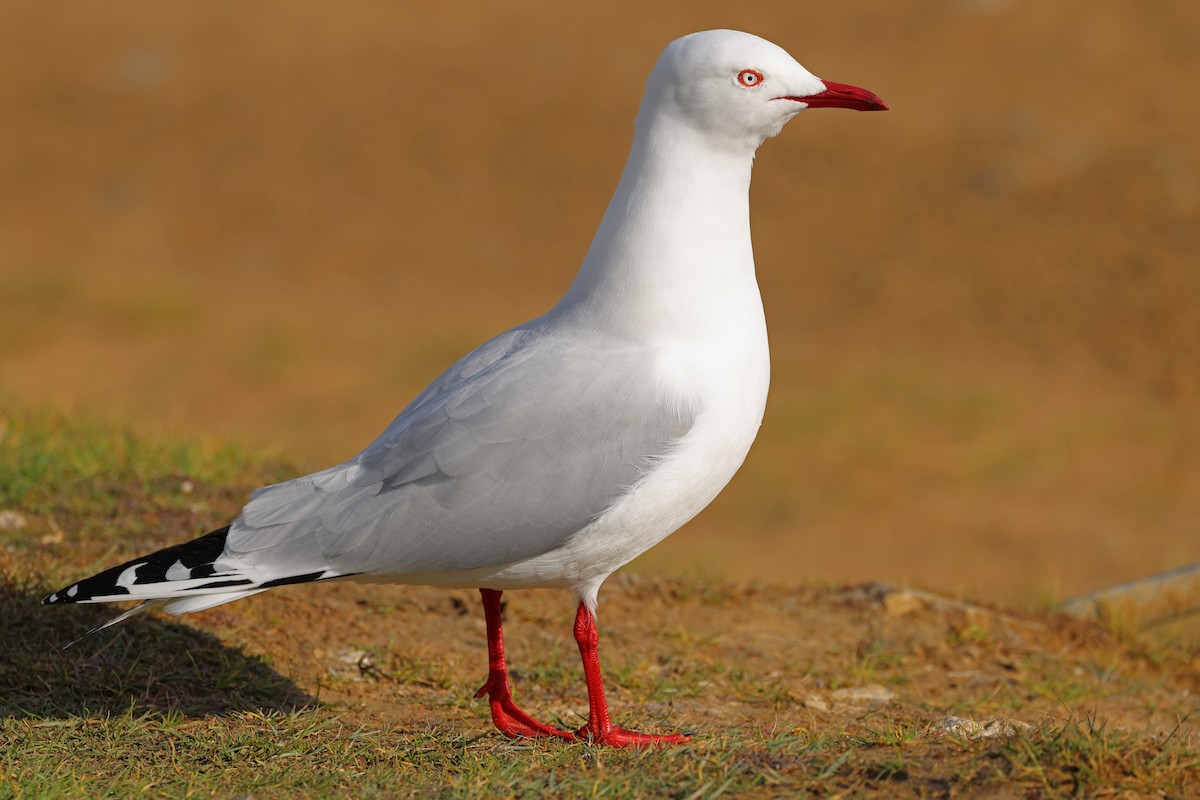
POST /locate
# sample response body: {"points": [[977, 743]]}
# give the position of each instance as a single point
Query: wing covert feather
{"points": [[514, 449]]}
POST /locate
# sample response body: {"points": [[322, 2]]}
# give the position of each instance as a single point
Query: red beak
{"points": [[842, 95]]}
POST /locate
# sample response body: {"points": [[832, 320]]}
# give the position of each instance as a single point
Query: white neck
{"points": [[673, 249]]}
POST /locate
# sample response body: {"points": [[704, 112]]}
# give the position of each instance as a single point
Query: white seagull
{"points": [[560, 450]]}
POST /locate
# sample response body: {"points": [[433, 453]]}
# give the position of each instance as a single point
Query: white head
{"points": [[738, 89]]}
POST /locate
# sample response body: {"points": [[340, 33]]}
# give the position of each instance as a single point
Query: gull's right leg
{"points": [[511, 720]]}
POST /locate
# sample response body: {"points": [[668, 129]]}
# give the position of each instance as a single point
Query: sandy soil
{"points": [[707, 656], [279, 224]]}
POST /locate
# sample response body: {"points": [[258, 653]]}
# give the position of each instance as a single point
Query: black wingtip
{"points": [[197, 556]]}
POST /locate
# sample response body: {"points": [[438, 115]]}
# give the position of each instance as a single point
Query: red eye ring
{"points": [[750, 78]]}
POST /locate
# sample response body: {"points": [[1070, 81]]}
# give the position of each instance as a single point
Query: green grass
{"points": [[52, 463], [167, 709], [308, 753]]}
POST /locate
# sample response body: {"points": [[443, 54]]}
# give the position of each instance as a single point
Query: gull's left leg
{"points": [[511, 720], [599, 728]]}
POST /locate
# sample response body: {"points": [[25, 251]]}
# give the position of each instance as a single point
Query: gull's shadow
{"points": [[147, 665]]}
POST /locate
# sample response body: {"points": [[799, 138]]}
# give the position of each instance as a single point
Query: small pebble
{"points": [[12, 520], [970, 729]]}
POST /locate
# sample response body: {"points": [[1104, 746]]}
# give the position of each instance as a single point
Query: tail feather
{"points": [[186, 605], [183, 605], [180, 579], [141, 607]]}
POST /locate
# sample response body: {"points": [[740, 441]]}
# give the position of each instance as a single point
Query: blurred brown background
{"points": [[277, 221]]}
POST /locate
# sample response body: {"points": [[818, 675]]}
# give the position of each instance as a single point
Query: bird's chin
{"points": [[777, 126]]}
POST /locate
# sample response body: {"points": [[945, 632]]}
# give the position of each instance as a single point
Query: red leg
{"points": [[600, 728], [511, 720]]}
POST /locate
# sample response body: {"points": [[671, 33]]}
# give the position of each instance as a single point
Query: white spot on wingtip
{"points": [[53, 598], [74, 590], [178, 572], [128, 578]]}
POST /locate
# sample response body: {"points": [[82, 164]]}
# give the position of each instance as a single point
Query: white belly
{"points": [[725, 378]]}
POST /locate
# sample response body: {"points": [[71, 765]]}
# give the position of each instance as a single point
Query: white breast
{"points": [[725, 376]]}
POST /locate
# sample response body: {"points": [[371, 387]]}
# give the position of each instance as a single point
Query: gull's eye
{"points": [[750, 77]]}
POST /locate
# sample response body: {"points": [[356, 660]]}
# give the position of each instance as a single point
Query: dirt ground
{"points": [[709, 656], [278, 223], [706, 657], [791, 690], [857, 691]]}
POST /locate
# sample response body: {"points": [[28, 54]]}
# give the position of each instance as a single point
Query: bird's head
{"points": [[738, 89]]}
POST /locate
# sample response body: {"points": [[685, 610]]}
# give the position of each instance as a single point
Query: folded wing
{"points": [[515, 449]]}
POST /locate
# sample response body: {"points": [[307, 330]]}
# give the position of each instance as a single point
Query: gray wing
{"points": [[517, 447]]}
